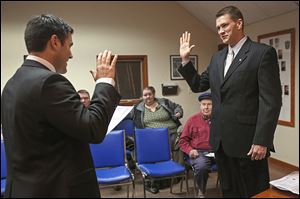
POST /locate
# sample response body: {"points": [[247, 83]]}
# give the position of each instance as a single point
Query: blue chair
{"points": [[3, 168], [128, 126], [188, 167], [110, 162], [153, 156]]}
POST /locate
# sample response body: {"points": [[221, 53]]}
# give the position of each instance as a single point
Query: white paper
{"points": [[211, 155], [289, 182], [120, 113], [1, 133]]}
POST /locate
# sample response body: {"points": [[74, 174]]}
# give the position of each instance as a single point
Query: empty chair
{"points": [[128, 126], [153, 156], [110, 161]]}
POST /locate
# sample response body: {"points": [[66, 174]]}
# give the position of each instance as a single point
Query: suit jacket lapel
{"points": [[239, 58]]}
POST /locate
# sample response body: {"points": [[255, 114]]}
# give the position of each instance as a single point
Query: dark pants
{"points": [[241, 177], [201, 168]]}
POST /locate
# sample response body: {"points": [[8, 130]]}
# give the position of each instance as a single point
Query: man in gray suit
{"points": [[246, 94], [46, 129]]}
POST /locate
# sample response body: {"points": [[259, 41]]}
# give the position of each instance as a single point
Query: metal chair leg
{"points": [[133, 189], [187, 184], [218, 181], [196, 189], [171, 186], [144, 188], [181, 182]]}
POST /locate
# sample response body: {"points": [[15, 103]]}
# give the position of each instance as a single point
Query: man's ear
{"points": [[240, 24], [55, 42]]}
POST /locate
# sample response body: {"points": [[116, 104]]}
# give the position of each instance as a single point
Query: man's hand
{"points": [[193, 154], [257, 152], [185, 48], [105, 67], [177, 115]]}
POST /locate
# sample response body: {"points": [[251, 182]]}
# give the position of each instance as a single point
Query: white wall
{"points": [[137, 28], [286, 138], [126, 28]]}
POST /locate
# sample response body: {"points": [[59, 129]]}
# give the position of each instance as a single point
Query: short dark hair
{"points": [[151, 88], [40, 29], [233, 11], [83, 91]]}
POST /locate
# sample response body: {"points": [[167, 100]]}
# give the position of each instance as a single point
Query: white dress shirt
{"points": [[232, 52]]}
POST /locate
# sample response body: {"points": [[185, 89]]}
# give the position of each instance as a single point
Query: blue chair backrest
{"points": [[111, 151], [127, 125], [3, 161], [152, 145]]}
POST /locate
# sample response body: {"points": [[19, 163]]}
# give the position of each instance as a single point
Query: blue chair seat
{"points": [[3, 183], [214, 167], [115, 175], [161, 169]]}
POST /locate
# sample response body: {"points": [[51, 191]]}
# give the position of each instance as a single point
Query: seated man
{"points": [[194, 141], [84, 97]]}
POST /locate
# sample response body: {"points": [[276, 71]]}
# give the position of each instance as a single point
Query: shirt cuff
{"points": [[107, 80], [184, 63]]}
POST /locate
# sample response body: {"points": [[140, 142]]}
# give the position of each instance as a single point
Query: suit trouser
{"points": [[241, 177]]}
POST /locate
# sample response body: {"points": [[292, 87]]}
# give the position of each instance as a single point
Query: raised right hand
{"points": [[105, 67], [185, 48]]}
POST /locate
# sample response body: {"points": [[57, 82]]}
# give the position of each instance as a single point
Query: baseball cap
{"points": [[204, 96]]}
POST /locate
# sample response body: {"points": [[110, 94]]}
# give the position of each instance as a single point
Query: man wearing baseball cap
{"points": [[194, 141]]}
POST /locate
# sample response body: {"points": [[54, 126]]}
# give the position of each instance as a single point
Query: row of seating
{"points": [[153, 158]]}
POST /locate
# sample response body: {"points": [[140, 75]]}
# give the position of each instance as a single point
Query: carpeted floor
{"points": [[212, 191]]}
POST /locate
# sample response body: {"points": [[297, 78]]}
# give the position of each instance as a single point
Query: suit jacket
{"points": [[47, 132], [246, 103]]}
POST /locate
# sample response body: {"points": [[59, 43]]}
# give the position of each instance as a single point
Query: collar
{"points": [[206, 118], [42, 61], [238, 46]]}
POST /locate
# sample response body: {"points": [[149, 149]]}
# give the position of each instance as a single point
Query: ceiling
{"points": [[253, 11]]}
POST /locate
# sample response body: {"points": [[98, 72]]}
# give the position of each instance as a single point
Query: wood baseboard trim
{"points": [[283, 165]]}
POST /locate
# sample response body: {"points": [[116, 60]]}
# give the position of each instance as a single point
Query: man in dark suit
{"points": [[46, 129], [246, 95]]}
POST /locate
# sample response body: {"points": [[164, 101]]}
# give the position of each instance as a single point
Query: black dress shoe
{"points": [[152, 189]]}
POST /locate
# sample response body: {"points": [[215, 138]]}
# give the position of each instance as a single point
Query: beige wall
{"points": [[126, 28], [286, 138], [136, 28]]}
